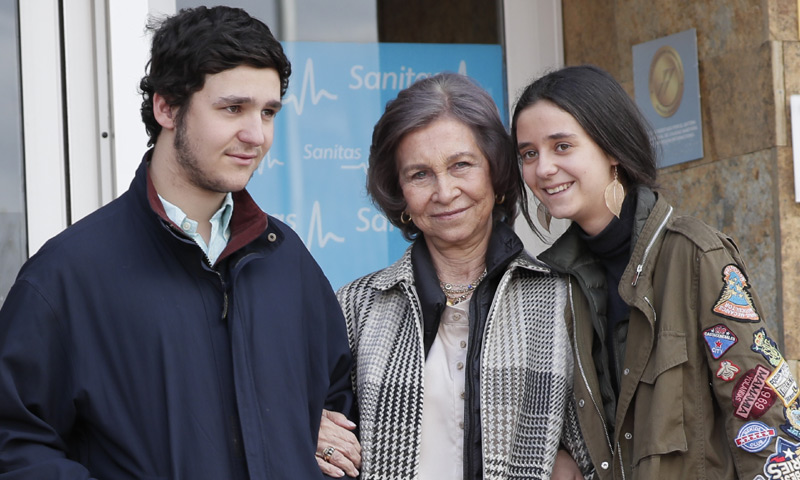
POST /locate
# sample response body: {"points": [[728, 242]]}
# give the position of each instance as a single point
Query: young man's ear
{"points": [[164, 112]]}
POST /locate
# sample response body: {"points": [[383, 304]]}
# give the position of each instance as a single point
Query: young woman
{"points": [[676, 374]]}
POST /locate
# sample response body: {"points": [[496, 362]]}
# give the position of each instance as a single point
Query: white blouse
{"points": [[442, 444]]}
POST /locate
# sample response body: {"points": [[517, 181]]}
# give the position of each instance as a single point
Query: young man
{"points": [[178, 332]]}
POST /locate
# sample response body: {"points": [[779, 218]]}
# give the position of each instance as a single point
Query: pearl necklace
{"points": [[456, 293]]}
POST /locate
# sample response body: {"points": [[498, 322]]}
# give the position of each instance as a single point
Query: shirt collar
{"points": [[220, 226]]}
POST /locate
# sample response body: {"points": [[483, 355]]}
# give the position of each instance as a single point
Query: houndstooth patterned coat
{"points": [[525, 373]]}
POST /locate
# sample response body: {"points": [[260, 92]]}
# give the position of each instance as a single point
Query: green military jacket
{"points": [[704, 391]]}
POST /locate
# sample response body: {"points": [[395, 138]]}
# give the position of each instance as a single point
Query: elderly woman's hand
{"points": [[338, 450]]}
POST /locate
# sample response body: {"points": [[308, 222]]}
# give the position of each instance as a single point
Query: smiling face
{"points": [[563, 166], [226, 129], [447, 184]]}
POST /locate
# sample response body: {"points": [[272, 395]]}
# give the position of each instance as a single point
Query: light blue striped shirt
{"points": [[220, 226]]}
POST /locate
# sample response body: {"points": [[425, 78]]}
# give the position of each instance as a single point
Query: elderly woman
{"points": [[462, 362]]}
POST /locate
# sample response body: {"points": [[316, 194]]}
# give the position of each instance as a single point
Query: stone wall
{"points": [[749, 64]]}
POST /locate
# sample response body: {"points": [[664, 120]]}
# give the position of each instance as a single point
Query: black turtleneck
{"points": [[612, 247]]}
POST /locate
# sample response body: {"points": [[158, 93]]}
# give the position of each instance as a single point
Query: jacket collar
{"points": [[248, 221], [647, 243], [504, 245], [416, 269], [645, 202], [569, 254]]}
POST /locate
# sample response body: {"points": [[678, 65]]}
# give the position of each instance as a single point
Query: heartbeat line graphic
{"points": [[315, 226], [268, 162], [310, 87], [360, 166]]}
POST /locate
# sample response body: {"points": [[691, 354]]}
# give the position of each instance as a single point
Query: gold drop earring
{"points": [[615, 194], [543, 215]]}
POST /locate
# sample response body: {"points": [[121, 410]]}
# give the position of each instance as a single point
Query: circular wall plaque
{"points": [[666, 81]]}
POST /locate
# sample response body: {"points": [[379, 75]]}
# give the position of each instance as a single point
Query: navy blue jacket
{"points": [[124, 354]]}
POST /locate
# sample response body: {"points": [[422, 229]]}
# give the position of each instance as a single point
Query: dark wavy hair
{"points": [[425, 101], [203, 41], [608, 115]]}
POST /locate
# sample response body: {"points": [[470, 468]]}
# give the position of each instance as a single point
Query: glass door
{"points": [[13, 230]]}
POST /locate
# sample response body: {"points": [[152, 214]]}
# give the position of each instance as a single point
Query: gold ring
{"points": [[328, 453]]}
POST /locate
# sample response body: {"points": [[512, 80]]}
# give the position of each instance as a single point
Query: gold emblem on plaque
{"points": [[666, 81]]}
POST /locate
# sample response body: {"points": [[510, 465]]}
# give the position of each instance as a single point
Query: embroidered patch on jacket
{"points": [[719, 339], [735, 301], [754, 436], [782, 381], [727, 370], [785, 462], [751, 396], [792, 425], [766, 346]]}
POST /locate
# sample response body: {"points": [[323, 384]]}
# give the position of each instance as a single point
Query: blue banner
{"points": [[314, 176]]}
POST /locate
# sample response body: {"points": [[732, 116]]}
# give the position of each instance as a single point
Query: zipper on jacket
{"points": [[224, 303], [224, 288], [655, 316], [222, 282], [207, 260], [640, 267], [580, 367], [621, 464]]}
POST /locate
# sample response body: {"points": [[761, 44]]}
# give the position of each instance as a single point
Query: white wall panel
{"points": [[43, 126], [534, 45]]}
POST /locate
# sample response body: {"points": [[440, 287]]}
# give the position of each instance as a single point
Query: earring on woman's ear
{"points": [[405, 218], [615, 195], [543, 215], [499, 199]]}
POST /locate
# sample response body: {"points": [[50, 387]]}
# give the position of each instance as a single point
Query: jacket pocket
{"points": [[658, 414]]}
